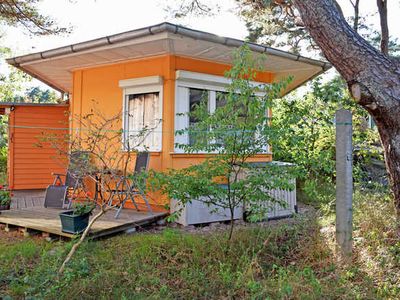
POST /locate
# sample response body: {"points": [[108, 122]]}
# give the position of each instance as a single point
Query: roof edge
{"points": [[159, 28], [33, 104]]}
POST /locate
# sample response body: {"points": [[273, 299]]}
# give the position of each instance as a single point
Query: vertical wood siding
{"points": [[32, 161]]}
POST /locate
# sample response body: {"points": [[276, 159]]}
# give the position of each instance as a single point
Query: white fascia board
{"points": [[142, 81]]}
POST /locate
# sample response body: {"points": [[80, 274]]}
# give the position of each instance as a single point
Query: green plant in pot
{"points": [[5, 200], [76, 220]]}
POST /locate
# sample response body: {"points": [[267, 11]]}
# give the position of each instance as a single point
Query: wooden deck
{"points": [[47, 220]]}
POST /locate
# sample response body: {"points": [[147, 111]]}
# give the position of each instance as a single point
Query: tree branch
{"points": [[26, 14]]}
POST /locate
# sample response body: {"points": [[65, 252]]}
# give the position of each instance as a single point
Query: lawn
{"points": [[288, 259]]}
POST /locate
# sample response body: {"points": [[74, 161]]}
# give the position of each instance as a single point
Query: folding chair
{"points": [[60, 194], [128, 187]]}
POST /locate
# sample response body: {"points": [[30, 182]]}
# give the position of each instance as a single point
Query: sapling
{"points": [[94, 152], [235, 132]]}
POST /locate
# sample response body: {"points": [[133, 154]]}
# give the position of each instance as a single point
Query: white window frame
{"points": [[186, 80], [143, 85]]}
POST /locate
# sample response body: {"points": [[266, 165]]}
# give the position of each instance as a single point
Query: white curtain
{"points": [[144, 120]]}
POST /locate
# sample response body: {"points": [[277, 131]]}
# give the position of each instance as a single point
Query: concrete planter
{"points": [[197, 212]]}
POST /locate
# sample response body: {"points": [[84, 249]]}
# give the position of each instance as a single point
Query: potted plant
{"points": [[5, 199], [76, 220]]}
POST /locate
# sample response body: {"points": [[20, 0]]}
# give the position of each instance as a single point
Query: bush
{"points": [[307, 136], [5, 197]]}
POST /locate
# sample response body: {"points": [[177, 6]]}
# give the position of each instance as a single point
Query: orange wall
{"points": [[99, 87], [29, 165]]}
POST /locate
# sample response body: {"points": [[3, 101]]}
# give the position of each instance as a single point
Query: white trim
{"points": [[212, 101], [187, 77], [207, 81], [181, 120], [140, 82], [151, 84], [143, 89]]}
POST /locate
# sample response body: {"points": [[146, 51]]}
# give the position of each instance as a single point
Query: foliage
{"points": [[274, 25], [3, 149], [5, 197], [12, 82], [26, 14], [377, 239], [80, 209], [38, 95], [183, 8], [288, 259], [14, 86], [307, 136], [227, 179]]}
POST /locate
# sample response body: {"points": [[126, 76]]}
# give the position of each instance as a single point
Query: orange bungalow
{"points": [[166, 61]]}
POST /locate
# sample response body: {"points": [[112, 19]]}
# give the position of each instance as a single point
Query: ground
{"points": [[287, 259]]}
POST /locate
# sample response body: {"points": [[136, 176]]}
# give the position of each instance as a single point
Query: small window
{"points": [[142, 115], [142, 120]]}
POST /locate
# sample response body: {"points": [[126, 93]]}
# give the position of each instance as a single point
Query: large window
{"points": [[192, 89], [142, 113]]}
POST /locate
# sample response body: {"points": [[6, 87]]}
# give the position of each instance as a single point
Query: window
{"points": [[191, 89], [196, 97], [142, 113]]}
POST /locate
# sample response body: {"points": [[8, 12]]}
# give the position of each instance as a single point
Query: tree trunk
{"points": [[373, 78], [356, 6], [382, 8]]}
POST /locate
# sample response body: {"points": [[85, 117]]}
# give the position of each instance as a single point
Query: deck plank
{"points": [[48, 220]]}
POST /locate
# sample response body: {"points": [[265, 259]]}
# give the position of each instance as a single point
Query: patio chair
{"points": [[127, 188], [60, 194]]}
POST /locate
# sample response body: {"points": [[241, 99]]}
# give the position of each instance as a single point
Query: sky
{"points": [[90, 19], [96, 18]]}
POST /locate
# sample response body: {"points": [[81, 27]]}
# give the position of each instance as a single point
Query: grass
{"points": [[290, 259]]}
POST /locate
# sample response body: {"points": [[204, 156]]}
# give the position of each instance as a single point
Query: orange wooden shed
{"points": [[31, 161], [153, 71]]}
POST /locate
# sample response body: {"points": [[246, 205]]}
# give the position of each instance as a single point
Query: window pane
{"points": [[143, 119], [229, 130], [196, 96], [221, 99]]}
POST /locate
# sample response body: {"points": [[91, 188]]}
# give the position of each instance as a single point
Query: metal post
{"points": [[344, 182]]}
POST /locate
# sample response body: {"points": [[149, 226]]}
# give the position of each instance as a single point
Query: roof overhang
{"points": [[54, 67]]}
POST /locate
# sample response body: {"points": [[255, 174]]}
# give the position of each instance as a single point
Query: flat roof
{"points": [[54, 67]]}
